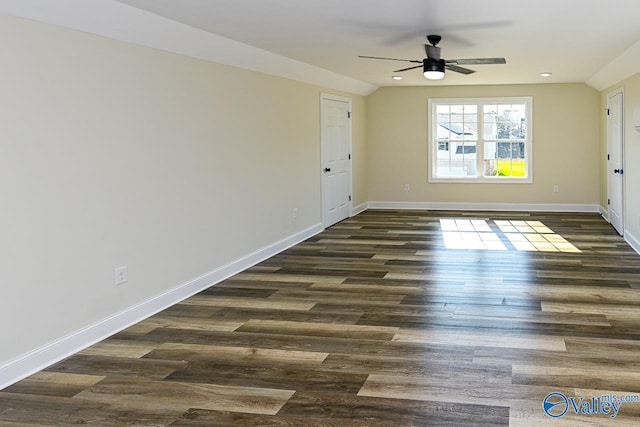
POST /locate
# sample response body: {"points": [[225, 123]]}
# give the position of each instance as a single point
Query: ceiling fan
{"points": [[433, 66]]}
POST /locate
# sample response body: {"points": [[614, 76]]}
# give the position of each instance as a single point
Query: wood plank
{"points": [[116, 366], [54, 384], [479, 389], [39, 410], [325, 408], [482, 339], [245, 355], [363, 332], [247, 303], [611, 311], [149, 395], [622, 379]]}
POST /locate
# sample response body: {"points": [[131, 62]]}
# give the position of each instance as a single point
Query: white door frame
{"points": [[609, 150], [332, 97]]}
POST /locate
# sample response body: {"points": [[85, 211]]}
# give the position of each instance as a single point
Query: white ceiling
{"points": [[593, 41], [573, 39]]}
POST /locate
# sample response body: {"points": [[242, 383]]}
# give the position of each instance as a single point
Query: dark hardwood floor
{"points": [[390, 318]]}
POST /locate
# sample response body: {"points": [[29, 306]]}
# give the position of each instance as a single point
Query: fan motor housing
{"points": [[430, 64]]}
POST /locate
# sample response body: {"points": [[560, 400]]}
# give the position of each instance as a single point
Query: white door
{"points": [[615, 171], [335, 136]]}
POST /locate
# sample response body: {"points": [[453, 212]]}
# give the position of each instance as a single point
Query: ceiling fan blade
{"points": [[457, 69], [391, 59], [407, 69], [476, 61]]}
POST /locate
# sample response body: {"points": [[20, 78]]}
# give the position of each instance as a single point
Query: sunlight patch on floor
{"points": [[470, 234], [522, 235]]}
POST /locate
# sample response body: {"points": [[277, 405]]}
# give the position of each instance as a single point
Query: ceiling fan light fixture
{"points": [[433, 68]]}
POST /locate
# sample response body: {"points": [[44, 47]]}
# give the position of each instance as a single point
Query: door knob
{"points": [[616, 171], [327, 169]]}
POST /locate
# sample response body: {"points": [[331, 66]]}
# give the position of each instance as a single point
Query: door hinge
{"points": [[348, 114], [349, 156], [608, 111], [608, 201], [608, 157], [349, 197]]}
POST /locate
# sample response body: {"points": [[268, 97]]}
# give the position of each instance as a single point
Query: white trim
{"points": [[360, 208], [332, 97], [604, 213], [119, 21], [534, 207], [632, 240], [40, 358]]}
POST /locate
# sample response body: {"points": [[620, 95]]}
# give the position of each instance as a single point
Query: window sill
{"points": [[480, 180]]}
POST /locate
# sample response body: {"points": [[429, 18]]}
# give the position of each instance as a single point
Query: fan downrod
{"points": [[434, 39]]}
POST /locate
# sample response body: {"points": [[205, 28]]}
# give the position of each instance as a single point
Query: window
{"points": [[480, 140]]}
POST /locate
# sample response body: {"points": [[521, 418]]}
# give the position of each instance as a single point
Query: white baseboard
{"points": [[40, 358], [359, 209], [632, 240], [605, 213], [537, 207]]}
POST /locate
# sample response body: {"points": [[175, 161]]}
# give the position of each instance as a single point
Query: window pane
{"points": [[459, 160], [442, 109], [457, 109], [511, 122], [490, 128], [469, 156], [504, 159], [504, 121], [471, 109], [517, 150], [471, 120], [503, 150]]}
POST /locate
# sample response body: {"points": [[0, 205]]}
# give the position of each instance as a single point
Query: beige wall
{"points": [[566, 134], [116, 154], [631, 156]]}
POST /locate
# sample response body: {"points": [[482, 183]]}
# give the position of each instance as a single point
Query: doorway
{"points": [[335, 142], [615, 161]]}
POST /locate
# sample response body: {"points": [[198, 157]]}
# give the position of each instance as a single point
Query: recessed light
{"points": [[545, 74], [396, 77]]}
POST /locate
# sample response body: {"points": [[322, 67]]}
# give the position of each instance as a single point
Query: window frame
{"points": [[432, 142]]}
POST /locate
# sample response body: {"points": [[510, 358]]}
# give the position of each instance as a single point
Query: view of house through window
{"points": [[486, 140]]}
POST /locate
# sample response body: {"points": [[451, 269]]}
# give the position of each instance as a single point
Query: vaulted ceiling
{"points": [[592, 41]]}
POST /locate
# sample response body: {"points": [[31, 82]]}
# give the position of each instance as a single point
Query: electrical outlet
{"points": [[407, 187], [295, 213], [121, 275], [556, 189]]}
